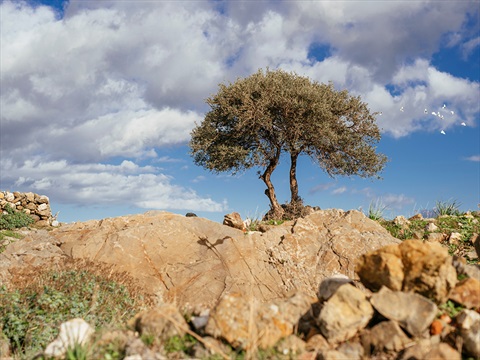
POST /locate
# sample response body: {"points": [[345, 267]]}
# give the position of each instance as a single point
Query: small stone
{"points": [[344, 314], [436, 327], [163, 322], [317, 342], [431, 227], [401, 221], [352, 350], [73, 332], [413, 312], [435, 237], [469, 323], [245, 323], [467, 293], [329, 286], [234, 220], [388, 336], [443, 352], [475, 239], [454, 238], [331, 355], [382, 267], [291, 345], [428, 270], [416, 217]]}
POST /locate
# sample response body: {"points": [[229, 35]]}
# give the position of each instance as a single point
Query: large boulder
{"points": [[194, 262]]}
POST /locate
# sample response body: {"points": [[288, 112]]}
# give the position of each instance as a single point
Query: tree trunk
{"points": [[293, 178], [277, 210]]}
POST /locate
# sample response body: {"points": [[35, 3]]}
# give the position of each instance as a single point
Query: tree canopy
{"points": [[253, 120]]}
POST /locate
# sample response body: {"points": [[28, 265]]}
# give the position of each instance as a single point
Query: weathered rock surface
{"points": [[244, 322], [424, 268], [193, 261], [388, 336], [259, 290], [469, 322], [344, 314], [413, 312], [467, 293]]}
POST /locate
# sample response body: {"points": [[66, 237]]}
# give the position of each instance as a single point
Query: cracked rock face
{"points": [[194, 262]]}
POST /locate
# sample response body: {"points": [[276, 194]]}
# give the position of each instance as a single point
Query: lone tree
{"points": [[255, 119]]}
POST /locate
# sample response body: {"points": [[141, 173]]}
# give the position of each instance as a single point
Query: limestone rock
{"points": [[194, 262], [317, 342], [454, 238], [467, 293], [431, 227], [425, 268], [469, 322], [345, 313], [291, 345], [329, 286], [244, 322], [162, 322], [435, 237], [234, 220], [352, 350], [401, 221], [413, 312], [382, 267], [426, 350], [73, 332], [388, 336], [476, 243], [428, 270]]}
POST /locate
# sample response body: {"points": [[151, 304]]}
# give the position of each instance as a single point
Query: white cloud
{"points": [[92, 184], [321, 187], [339, 190], [121, 80], [396, 201], [475, 158], [470, 46]]}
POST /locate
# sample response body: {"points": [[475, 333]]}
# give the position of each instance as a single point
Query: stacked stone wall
{"points": [[37, 206]]}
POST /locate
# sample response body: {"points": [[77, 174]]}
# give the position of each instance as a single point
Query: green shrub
{"points": [[376, 210], [14, 219], [30, 315], [447, 208]]}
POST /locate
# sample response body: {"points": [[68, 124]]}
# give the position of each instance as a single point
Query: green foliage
{"points": [[14, 219], [446, 208], [148, 339], [30, 316], [465, 224], [180, 344], [77, 352], [451, 308], [10, 233], [376, 210]]}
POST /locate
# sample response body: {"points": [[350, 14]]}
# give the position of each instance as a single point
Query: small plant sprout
{"points": [[450, 207], [376, 209]]}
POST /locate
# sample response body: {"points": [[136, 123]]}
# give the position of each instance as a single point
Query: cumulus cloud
{"points": [[106, 184], [115, 79]]}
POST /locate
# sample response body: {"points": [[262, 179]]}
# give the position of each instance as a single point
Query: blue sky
{"points": [[98, 99]]}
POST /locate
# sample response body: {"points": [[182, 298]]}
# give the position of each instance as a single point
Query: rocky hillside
{"points": [[331, 285]]}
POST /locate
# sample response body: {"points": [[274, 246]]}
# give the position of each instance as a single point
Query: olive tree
{"points": [[254, 120]]}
